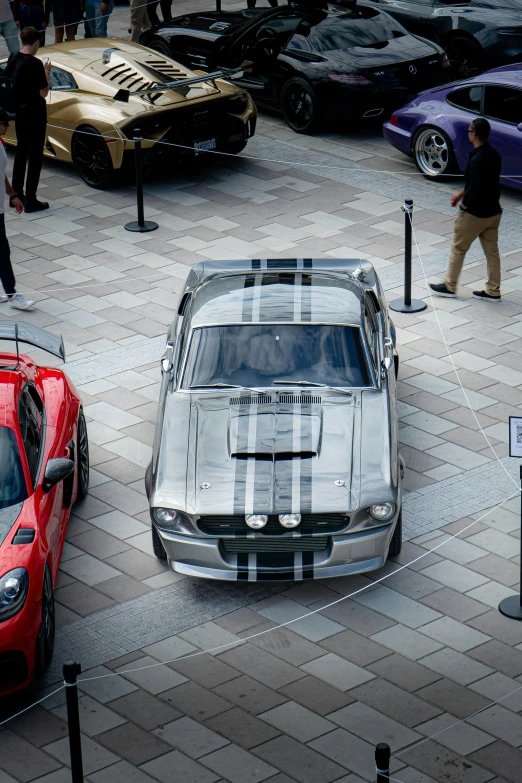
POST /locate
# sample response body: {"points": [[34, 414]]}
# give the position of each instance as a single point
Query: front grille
{"points": [[260, 546], [236, 525], [261, 399]]}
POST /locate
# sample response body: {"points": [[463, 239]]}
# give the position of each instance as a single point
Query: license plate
{"points": [[204, 146]]}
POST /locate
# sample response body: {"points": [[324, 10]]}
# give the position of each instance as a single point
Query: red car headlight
{"points": [[13, 592]]}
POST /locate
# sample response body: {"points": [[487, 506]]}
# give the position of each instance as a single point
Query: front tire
{"points": [[92, 158], [45, 642], [300, 106], [433, 153], [157, 546], [160, 46], [82, 450], [396, 541]]}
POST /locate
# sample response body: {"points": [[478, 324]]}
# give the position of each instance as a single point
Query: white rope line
{"points": [[435, 312], [307, 614], [12, 717]]}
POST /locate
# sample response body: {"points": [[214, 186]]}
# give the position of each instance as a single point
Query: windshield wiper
{"points": [[311, 383], [227, 386]]}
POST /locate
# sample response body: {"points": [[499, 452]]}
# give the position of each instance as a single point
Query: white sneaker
{"points": [[3, 298], [19, 302]]}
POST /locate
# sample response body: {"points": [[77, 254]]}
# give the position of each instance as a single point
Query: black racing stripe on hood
{"points": [[240, 469]]}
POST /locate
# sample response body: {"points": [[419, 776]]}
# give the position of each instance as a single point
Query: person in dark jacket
{"points": [[31, 86], [478, 216], [32, 13]]}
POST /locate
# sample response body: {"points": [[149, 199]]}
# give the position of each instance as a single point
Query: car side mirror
{"points": [[386, 366], [519, 126], [57, 470], [166, 360]]}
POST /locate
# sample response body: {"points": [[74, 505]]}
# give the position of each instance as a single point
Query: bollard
{"points": [[141, 225], [70, 673], [382, 762], [512, 605], [218, 5], [407, 305]]}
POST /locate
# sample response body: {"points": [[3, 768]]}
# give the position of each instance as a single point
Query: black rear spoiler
{"points": [[228, 73], [22, 332]]}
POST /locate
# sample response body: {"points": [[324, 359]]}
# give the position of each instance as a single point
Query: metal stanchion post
{"points": [[407, 305], [70, 674], [512, 606], [382, 762], [218, 5], [141, 225]]}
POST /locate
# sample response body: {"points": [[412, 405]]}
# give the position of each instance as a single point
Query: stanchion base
{"points": [[399, 305], [510, 607], [148, 225]]}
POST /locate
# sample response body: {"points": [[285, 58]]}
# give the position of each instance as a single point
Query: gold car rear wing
{"points": [[230, 73]]}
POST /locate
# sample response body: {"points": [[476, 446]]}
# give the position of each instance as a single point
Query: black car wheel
{"points": [[299, 106], [82, 448], [433, 152], [92, 158], [45, 642], [157, 546], [160, 46], [465, 56], [396, 542]]}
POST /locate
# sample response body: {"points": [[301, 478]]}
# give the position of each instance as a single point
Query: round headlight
{"points": [[13, 592], [165, 516], [256, 521], [382, 511], [290, 520]]}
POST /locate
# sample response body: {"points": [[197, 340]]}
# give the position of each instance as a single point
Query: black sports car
{"points": [[476, 34], [313, 61]]}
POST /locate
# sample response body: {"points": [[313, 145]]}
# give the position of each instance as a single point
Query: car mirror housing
{"points": [[56, 470], [386, 366], [519, 126]]}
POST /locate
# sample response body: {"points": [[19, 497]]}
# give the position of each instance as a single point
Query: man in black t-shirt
{"points": [[31, 86]]}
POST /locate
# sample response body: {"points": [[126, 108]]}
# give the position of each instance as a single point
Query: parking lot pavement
{"points": [[400, 662]]}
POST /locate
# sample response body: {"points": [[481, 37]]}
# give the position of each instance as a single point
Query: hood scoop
{"points": [[274, 435]]}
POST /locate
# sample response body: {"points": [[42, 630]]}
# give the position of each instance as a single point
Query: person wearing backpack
{"points": [[31, 86], [18, 301], [8, 28]]}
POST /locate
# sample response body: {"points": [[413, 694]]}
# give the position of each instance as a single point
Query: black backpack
{"points": [[7, 82]]}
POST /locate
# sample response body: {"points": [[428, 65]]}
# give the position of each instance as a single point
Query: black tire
{"points": [[160, 46], [45, 641], [157, 546], [234, 147], [396, 541], [300, 106], [433, 153], [466, 57], [92, 158], [82, 459]]}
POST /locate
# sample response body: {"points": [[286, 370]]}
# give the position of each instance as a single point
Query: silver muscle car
{"points": [[276, 446]]}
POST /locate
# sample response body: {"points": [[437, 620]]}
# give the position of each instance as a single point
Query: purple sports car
{"points": [[433, 127]]}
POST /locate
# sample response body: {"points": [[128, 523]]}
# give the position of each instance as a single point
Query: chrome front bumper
{"points": [[345, 554]]}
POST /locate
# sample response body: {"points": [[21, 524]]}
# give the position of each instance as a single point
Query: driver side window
{"points": [[61, 80], [30, 411]]}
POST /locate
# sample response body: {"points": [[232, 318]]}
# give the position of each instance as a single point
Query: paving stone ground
{"points": [[416, 660]]}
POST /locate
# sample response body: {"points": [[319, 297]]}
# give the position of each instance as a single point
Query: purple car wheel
{"points": [[433, 153]]}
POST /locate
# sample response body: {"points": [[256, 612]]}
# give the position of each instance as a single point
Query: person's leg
{"points": [[489, 241], [23, 141], [135, 19], [152, 13], [102, 21], [36, 151], [6, 269], [466, 230], [166, 10], [58, 34], [90, 13], [33, 16], [10, 33], [70, 31]]}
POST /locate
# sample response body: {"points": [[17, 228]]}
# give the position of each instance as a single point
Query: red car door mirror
{"points": [[56, 470]]}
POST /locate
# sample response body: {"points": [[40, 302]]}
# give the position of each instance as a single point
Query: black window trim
{"points": [[37, 400]]}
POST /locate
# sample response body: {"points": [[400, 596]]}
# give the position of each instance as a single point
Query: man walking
{"points": [[479, 214], [97, 16], [8, 27], [31, 86], [139, 18], [6, 270]]}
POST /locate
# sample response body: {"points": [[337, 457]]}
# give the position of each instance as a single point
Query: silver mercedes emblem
{"points": [[412, 69]]}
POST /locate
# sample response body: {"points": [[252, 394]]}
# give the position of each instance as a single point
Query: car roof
{"points": [[289, 296], [510, 74]]}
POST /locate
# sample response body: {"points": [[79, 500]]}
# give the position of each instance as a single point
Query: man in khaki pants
{"points": [[139, 18], [478, 216]]}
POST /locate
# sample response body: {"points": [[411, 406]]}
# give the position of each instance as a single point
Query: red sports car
{"points": [[44, 469]]}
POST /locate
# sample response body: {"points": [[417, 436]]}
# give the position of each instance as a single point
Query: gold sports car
{"points": [[103, 89]]}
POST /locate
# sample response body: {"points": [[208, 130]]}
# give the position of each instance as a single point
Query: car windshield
{"points": [[339, 32], [12, 483], [261, 355]]}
